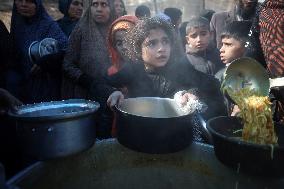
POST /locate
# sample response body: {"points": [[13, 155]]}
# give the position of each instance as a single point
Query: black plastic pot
{"points": [[153, 125], [246, 157], [56, 129]]}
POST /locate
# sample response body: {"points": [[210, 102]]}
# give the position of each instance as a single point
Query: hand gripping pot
{"points": [[55, 129], [39, 49]]}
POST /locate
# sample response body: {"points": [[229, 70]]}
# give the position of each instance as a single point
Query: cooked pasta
{"points": [[255, 110]]}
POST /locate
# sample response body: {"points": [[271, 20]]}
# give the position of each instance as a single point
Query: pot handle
{"points": [[205, 131]]}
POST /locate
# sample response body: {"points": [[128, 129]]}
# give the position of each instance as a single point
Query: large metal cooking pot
{"points": [[153, 125], [265, 160], [56, 129]]}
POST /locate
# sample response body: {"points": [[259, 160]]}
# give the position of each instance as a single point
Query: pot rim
{"points": [[117, 107], [238, 141], [92, 108]]}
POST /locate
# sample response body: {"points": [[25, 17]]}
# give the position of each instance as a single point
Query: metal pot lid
{"points": [[247, 72], [55, 110], [48, 46], [38, 49]]}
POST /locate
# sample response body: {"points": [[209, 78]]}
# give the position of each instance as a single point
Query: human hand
{"points": [[116, 98], [182, 97], [35, 70], [236, 110], [8, 101]]}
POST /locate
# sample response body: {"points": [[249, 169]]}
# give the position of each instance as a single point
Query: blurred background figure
{"points": [[119, 7], [9, 152], [207, 13], [244, 10], [142, 11], [182, 32], [72, 11], [6, 52], [271, 26], [176, 16], [38, 80], [87, 60]]}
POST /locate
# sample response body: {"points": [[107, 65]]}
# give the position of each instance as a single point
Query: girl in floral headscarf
{"points": [[116, 40]]}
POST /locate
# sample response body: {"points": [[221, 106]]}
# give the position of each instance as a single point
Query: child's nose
{"points": [[161, 47], [222, 50]]}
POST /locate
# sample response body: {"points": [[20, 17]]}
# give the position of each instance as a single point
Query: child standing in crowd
{"points": [[157, 69], [116, 39], [234, 39], [201, 55]]}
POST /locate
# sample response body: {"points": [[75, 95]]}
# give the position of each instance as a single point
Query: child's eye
{"points": [[165, 41], [151, 43], [193, 36], [203, 33]]}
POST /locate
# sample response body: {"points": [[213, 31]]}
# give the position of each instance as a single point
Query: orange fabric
{"points": [[122, 23]]}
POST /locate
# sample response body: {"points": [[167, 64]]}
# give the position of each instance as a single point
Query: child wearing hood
{"points": [[203, 56], [156, 69]]}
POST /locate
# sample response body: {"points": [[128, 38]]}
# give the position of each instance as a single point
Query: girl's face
{"points": [[156, 48], [119, 43], [100, 11], [119, 9], [75, 9], [26, 8]]}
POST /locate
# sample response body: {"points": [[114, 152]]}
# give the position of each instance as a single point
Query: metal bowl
{"points": [[247, 72], [56, 129], [153, 125], [256, 159], [38, 49]]}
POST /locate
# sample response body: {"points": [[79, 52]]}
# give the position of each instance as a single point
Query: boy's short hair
{"points": [[238, 30], [197, 21]]}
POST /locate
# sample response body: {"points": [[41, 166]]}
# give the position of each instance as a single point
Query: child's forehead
{"points": [[198, 28], [230, 39]]}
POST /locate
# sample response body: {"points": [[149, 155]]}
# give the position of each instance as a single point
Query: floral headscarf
{"points": [[122, 23]]}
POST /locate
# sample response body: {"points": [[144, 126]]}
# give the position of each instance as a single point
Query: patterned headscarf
{"points": [[122, 23], [87, 53], [271, 23]]}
